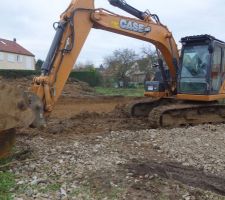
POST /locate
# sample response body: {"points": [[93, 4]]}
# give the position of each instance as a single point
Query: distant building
{"points": [[135, 75], [14, 56], [101, 69]]}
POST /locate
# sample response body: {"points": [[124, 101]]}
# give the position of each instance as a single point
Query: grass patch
{"points": [[51, 188], [132, 92], [44, 189], [83, 191], [4, 161], [7, 183], [86, 193]]}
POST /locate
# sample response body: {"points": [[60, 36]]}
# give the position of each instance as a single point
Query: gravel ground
{"points": [[201, 147], [182, 163]]}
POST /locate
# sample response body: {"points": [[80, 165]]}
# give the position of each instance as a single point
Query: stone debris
{"points": [[79, 167]]}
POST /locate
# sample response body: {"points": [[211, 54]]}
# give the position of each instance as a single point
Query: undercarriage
{"points": [[170, 113]]}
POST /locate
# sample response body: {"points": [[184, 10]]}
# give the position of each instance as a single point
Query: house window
{"points": [[1, 56], [11, 57], [19, 58]]}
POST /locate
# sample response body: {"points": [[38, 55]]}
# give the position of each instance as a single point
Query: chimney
{"points": [[14, 39]]}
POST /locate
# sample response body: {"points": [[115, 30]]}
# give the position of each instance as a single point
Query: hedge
{"points": [[18, 73], [93, 78]]}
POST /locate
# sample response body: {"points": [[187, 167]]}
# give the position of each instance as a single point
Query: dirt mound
{"points": [[76, 88], [23, 83], [89, 123], [84, 116], [73, 87]]}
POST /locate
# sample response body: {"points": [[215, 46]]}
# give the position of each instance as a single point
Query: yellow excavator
{"points": [[191, 92]]}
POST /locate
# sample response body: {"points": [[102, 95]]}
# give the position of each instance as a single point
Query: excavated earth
{"points": [[91, 149]]}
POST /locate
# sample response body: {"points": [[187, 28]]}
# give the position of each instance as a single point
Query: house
{"points": [[135, 74], [14, 56]]}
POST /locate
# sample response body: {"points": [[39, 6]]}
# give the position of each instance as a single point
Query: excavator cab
{"points": [[202, 66], [201, 74]]}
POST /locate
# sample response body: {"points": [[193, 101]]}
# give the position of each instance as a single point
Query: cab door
{"points": [[223, 71], [216, 70]]}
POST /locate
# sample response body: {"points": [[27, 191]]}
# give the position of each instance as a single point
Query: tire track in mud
{"points": [[174, 171]]}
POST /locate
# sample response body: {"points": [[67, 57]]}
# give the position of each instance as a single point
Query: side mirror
{"points": [[210, 49], [155, 65]]}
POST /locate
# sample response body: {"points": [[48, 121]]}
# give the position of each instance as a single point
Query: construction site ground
{"points": [[91, 149]]}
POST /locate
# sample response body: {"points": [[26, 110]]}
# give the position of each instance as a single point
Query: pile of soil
{"points": [[76, 88], [73, 87]]}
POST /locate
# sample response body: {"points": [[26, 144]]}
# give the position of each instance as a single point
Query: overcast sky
{"points": [[30, 21]]}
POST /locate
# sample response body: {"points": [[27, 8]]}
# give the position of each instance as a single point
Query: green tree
{"points": [[38, 64], [87, 66]]}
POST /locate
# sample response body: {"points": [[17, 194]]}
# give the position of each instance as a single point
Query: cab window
{"points": [[223, 65], [216, 67]]}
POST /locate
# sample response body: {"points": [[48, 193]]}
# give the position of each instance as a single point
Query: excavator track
{"points": [[181, 114], [170, 113], [144, 107], [14, 113]]}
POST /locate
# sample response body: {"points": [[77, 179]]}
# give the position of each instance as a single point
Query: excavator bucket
{"points": [[7, 140], [15, 112]]}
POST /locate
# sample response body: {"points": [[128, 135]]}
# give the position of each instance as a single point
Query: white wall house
{"points": [[14, 56]]}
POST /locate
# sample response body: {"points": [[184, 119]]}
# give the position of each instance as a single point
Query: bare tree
{"points": [[147, 60], [120, 62], [149, 55]]}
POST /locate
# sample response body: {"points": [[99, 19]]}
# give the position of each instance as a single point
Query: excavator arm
{"points": [[72, 32]]}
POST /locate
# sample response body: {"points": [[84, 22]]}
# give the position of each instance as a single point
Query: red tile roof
{"points": [[13, 47]]}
